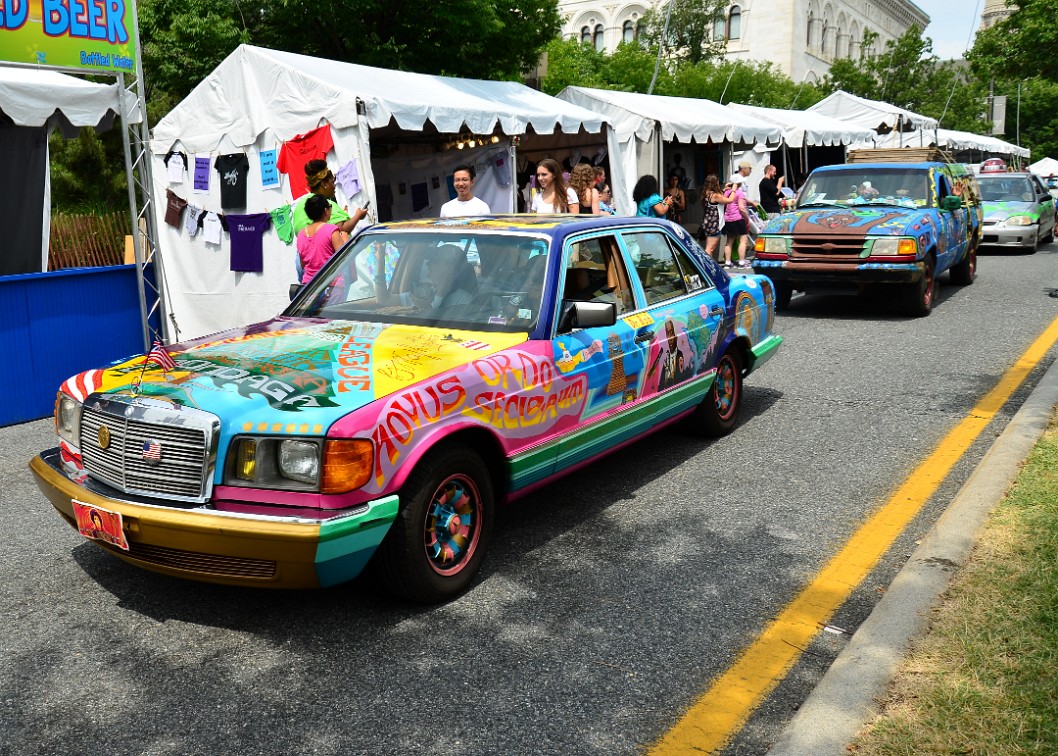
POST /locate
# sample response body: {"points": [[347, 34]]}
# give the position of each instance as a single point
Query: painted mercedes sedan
{"points": [[430, 372], [1018, 210]]}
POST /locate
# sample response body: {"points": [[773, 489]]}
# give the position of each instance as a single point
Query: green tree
{"points": [[1020, 46], [691, 29], [572, 63]]}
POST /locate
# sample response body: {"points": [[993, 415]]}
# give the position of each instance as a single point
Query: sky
{"points": [[951, 23]]}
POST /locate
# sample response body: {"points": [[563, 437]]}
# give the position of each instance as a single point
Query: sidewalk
{"points": [[847, 697]]}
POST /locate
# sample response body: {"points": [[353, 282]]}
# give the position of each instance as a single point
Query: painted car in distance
{"points": [[867, 225], [402, 396], [1018, 210]]}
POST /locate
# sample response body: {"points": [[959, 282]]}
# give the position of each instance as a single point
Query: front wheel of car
{"points": [[436, 545], [783, 295], [963, 273], [918, 297], [717, 413]]}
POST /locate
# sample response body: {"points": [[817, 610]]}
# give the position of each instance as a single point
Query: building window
{"points": [[811, 22], [629, 32], [823, 38], [720, 27], [734, 26], [598, 38], [585, 35]]}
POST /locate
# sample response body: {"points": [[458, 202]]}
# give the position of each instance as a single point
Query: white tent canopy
{"points": [[882, 117], [257, 99], [806, 128], [965, 140], [1047, 166], [36, 102], [31, 97], [683, 118]]}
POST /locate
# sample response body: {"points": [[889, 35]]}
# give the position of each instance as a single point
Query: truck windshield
{"points": [[858, 186]]}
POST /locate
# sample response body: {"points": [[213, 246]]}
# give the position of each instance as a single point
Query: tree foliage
{"points": [[1020, 46], [686, 29]]}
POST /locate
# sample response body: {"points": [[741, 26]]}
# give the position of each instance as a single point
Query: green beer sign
{"points": [[90, 34]]}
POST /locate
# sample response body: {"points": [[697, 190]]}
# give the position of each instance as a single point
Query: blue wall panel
{"points": [[54, 325]]}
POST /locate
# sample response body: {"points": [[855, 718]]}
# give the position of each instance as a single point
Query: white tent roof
{"points": [[871, 114], [255, 89], [1047, 166], [30, 97], [804, 127], [965, 140], [682, 118]]}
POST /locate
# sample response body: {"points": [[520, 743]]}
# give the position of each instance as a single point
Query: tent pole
{"points": [[137, 244]]}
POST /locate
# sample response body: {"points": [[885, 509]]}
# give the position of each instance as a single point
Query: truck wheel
{"points": [[717, 413], [963, 273], [919, 295], [783, 293], [436, 545]]}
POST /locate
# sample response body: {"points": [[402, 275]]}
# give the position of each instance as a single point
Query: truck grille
{"points": [[828, 246], [148, 449]]}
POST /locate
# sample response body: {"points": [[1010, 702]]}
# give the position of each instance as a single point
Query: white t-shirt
{"points": [[457, 208], [539, 206]]}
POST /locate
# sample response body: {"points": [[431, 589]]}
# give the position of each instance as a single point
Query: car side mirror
{"points": [[586, 315], [950, 203]]}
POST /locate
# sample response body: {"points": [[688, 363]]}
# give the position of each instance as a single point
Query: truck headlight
{"points": [[299, 460], [889, 247], [1019, 220], [68, 419], [772, 245]]}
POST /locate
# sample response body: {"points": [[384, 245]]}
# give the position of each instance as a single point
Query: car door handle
{"points": [[643, 336], [718, 312]]}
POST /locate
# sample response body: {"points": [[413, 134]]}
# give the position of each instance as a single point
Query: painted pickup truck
{"points": [[869, 225]]}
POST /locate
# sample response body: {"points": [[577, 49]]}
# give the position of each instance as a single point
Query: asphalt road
{"points": [[608, 603]]}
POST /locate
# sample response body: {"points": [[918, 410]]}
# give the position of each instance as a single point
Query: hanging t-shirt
{"points": [[212, 224], [174, 206], [246, 242], [313, 145], [193, 219], [283, 223], [233, 169], [175, 166], [348, 177]]}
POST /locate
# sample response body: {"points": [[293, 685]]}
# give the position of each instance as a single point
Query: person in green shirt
{"points": [[321, 181]]}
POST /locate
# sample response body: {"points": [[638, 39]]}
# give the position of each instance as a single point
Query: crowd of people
{"points": [[322, 227]]}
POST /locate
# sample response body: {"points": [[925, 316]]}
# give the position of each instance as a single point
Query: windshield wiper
{"points": [[821, 203]]}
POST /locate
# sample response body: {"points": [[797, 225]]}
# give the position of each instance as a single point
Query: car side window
{"points": [[595, 272], [657, 267]]}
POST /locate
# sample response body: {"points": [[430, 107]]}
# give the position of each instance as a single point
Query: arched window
{"points": [[598, 38], [629, 32], [734, 26], [585, 34], [823, 37], [808, 36], [720, 27]]}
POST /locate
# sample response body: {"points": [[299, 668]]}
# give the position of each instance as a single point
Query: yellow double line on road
{"points": [[724, 708]]}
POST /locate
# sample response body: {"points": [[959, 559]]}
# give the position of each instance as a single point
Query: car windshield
{"points": [[1005, 189], [875, 186], [445, 278]]}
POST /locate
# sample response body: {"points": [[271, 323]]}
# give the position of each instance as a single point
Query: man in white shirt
{"points": [[465, 202]]}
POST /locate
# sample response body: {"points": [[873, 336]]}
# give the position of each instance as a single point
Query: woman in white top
{"points": [[554, 196]]}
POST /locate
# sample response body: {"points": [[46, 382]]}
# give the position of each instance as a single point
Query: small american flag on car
{"points": [[471, 344], [160, 356], [152, 451]]}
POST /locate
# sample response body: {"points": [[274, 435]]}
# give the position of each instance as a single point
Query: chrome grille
{"points": [[806, 245], [185, 438]]}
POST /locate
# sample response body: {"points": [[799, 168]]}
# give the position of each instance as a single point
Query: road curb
{"points": [[848, 695]]}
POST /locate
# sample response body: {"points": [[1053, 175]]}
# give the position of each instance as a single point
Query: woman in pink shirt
{"points": [[319, 240], [736, 222]]}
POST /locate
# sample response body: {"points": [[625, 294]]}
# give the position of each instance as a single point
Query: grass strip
{"points": [[984, 679]]}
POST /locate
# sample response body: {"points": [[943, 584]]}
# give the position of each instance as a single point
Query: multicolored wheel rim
{"points": [[726, 387], [453, 525]]}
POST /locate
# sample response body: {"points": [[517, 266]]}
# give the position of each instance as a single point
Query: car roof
{"points": [[1008, 174], [550, 224], [879, 166]]}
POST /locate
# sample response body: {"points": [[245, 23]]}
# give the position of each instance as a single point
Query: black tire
{"points": [[919, 296], [717, 413], [436, 545], [965, 271], [783, 294]]}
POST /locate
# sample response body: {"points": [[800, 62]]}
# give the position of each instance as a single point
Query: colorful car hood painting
{"points": [[861, 221]]}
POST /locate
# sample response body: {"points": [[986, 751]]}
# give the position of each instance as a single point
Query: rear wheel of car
{"points": [[919, 295], [783, 294], [436, 545], [717, 413], [963, 273]]}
